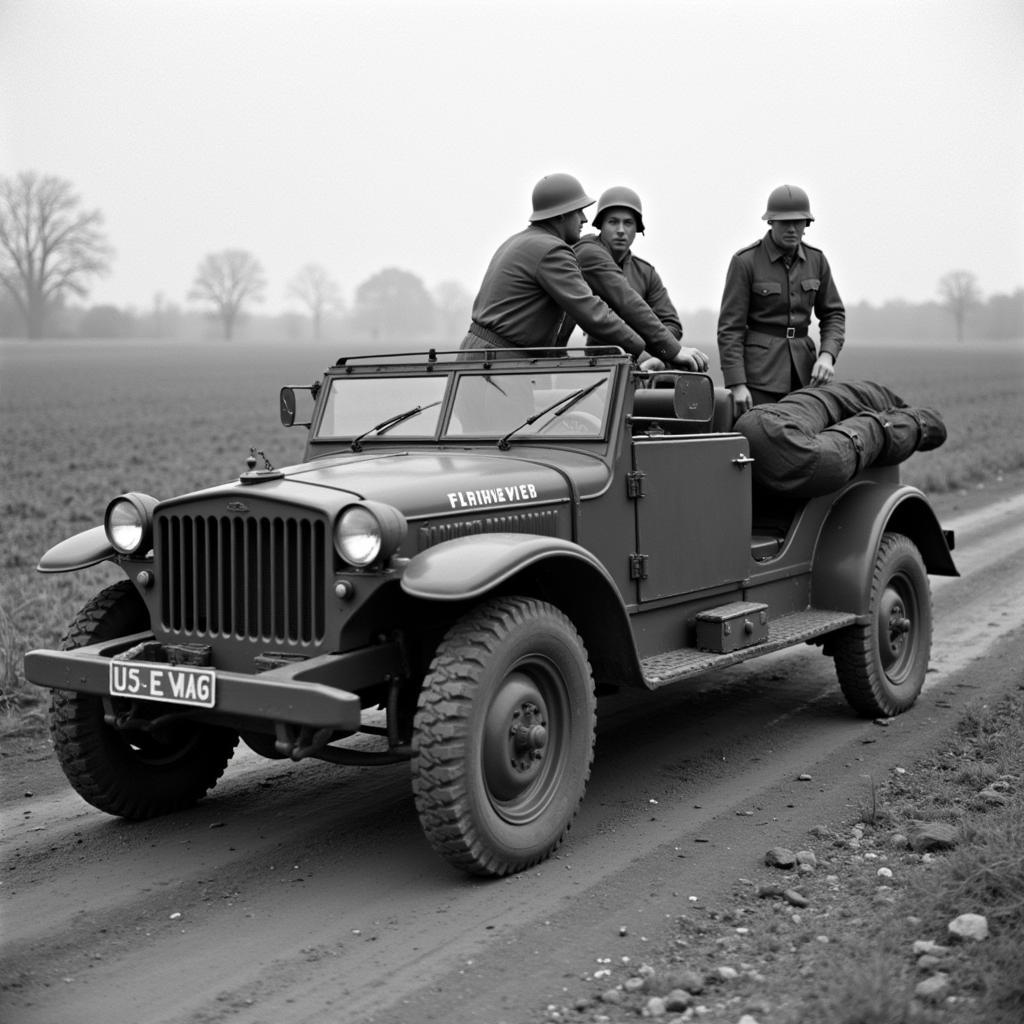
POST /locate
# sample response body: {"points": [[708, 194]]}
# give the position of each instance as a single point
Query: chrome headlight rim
{"points": [[368, 533], [128, 522]]}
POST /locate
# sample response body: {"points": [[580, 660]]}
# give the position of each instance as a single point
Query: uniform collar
{"points": [[546, 226], [775, 253]]}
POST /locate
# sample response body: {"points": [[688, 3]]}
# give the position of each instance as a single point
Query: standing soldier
{"points": [[534, 280], [630, 285], [770, 290]]}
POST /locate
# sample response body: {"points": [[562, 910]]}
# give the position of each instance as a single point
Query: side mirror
{"points": [[288, 407], [288, 403]]}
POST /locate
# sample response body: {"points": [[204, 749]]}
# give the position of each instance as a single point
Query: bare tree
{"points": [[228, 280], [318, 292], [49, 245], [959, 292], [394, 305]]}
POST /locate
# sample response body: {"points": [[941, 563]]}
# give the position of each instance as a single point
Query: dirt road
{"points": [[307, 893]]}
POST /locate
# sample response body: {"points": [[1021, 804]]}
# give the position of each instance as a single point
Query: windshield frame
{"points": [[568, 372]]}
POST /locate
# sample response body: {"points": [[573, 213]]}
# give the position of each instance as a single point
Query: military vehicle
{"points": [[474, 548]]}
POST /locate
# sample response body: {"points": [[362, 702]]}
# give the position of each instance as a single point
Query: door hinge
{"points": [[635, 484], [638, 567]]}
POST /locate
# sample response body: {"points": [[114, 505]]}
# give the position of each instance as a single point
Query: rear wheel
{"points": [[137, 772], [881, 665], [504, 736]]}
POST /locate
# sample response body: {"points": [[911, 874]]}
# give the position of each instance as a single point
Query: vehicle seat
{"points": [[658, 405], [723, 418]]}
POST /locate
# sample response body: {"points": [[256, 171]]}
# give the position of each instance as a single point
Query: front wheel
{"points": [[136, 772], [881, 665], [504, 736]]}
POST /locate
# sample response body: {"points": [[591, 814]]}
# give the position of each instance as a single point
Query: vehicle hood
{"points": [[430, 483]]}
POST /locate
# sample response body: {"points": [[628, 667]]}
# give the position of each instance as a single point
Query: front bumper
{"points": [[302, 693]]}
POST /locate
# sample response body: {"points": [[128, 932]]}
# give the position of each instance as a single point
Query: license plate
{"points": [[175, 684]]}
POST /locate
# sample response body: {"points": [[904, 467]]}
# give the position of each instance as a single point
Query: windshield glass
{"points": [[355, 404], [570, 404], [492, 404]]}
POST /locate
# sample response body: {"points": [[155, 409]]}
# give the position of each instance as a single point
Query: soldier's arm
{"points": [[664, 309], [560, 276], [831, 313], [732, 322], [607, 280]]}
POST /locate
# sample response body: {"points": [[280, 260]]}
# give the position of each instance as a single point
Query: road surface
{"points": [[307, 892]]}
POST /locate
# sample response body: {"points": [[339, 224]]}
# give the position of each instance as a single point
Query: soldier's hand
{"points": [[691, 359], [651, 364], [742, 401], [823, 371]]}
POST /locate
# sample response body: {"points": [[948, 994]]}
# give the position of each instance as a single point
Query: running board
{"points": [[670, 667]]}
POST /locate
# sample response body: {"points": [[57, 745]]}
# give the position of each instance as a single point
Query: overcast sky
{"points": [[361, 134]]}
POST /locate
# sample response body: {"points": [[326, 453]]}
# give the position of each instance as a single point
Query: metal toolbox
{"points": [[731, 627]]}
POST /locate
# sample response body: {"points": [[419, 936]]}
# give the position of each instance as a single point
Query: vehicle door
{"points": [[693, 513]]}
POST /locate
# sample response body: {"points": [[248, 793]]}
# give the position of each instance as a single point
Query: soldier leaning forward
{"points": [[533, 280]]}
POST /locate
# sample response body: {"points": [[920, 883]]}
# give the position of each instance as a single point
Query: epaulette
{"points": [[641, 260], [747, 248]]}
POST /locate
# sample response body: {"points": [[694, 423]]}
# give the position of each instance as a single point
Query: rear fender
{"points": [[79, 552], [470, 568], [844, 557]]}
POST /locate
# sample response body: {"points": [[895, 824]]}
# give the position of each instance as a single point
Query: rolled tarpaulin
{"points": [[814, 440]]}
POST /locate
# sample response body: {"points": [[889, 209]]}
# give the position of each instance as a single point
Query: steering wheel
{"points": [[575, 421]]}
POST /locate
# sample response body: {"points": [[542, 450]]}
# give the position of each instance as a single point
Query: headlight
{"points": [[129, 522], [368, 532]]}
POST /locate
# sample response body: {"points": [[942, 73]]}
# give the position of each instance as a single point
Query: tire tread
{"points": [[445, 705]]}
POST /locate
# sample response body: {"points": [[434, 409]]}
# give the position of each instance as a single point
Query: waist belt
{"points": [[490, 337], [778, 332]]}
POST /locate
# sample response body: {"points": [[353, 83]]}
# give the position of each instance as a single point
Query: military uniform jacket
{"points": [[532, 280], [635, 291], [761, 300]]}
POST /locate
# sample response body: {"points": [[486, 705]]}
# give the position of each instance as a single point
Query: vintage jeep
{"points": [[473, 549]]}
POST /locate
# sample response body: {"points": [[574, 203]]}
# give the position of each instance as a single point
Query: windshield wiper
{"points": [[563, 405], [391, 421]]}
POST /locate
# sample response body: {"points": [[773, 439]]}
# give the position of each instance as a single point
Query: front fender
{"points": [[844, 557], [469, 567], [557, 570], [79, 552]]}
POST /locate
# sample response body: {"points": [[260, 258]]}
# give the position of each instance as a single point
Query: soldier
{"points": [[534, 280], [630, 285], [771, 288]]}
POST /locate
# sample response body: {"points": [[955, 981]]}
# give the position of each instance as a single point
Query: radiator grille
{"points": [[256, 577]]}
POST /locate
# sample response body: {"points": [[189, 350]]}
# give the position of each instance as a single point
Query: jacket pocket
{"points": [[812, 284], [766, 288]]}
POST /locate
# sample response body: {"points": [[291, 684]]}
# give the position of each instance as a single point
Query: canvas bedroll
{"points": [[814, 440]]}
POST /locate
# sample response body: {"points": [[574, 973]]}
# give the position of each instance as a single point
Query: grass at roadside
{"points": [[836, 945]]}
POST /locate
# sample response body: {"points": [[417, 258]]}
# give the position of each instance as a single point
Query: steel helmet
{"points": [[556, 194], [619, 195], [788, 202]]}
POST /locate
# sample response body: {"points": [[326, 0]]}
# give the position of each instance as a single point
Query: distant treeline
{"points": [[999, 317]]}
